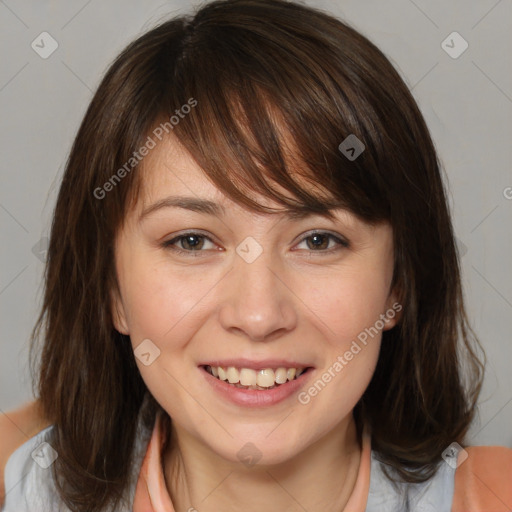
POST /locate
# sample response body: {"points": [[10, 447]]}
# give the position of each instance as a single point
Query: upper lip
{"points": [[255, 365]]}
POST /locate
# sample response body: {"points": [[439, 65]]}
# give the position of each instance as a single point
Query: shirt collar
{"points": [[151, 493]]}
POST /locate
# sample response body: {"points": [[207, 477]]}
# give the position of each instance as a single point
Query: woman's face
{"points": [[253, 292]]}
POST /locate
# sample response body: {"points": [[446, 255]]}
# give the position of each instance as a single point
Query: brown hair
{"points": [[278, 87]]}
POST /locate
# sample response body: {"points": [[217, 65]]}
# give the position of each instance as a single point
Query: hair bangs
{"points": [[253, 130]]}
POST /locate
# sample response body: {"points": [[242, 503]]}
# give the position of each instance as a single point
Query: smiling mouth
{"points": [[247, 378]]}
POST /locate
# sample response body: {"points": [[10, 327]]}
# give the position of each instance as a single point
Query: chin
{"points": [[260, 450]]}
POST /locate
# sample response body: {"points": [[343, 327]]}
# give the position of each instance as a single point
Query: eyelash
{"points": [[170, 243]]}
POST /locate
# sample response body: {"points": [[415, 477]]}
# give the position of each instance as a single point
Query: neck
{"points": [[320, 478]]}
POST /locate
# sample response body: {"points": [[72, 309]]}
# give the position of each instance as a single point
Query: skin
{"points": [[294, 301]]}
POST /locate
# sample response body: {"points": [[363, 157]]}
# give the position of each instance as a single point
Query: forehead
{"points": [[169, 169]]}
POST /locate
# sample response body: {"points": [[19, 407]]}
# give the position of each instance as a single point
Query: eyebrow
{"points": [[211, 208]]}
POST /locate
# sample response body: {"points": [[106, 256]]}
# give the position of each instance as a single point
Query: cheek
{"points": [[163, 304], [351, 355], [347, 305], [159, 299], [346, 311]]}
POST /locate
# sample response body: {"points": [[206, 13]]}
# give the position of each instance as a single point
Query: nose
{"points": [[256, 301]]}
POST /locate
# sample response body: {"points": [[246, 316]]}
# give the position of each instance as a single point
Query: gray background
{"points": [[467, 103]]}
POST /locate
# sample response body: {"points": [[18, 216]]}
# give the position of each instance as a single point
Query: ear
{"points": [[118, 313], [394, 310]]}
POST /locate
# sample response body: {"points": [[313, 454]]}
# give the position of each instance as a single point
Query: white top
{"points": [[29, 485]]}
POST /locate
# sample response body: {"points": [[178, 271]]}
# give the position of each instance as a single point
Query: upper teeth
{"points": [[248, 377]]}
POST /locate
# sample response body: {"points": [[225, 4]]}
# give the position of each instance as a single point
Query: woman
{"points": [[252, 282]]}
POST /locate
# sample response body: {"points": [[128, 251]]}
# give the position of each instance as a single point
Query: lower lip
{"points": [[255, 397]]}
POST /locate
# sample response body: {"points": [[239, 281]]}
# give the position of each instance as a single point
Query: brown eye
{"points": [[192, 242], [320, 242], [188, 243]]}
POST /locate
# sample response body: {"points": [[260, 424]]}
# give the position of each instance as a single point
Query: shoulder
{"points": [[483, 479], [16, 428], [27, 458]]}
